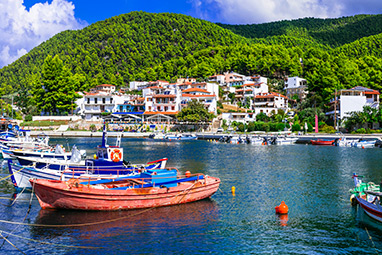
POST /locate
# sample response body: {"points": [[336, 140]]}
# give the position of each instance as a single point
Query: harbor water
{"points": [[314, 182]]}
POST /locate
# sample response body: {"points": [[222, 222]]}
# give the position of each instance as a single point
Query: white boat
{"points": [[256, 140], [181, 137], [361, 143], [345, 142], [282, 140]]}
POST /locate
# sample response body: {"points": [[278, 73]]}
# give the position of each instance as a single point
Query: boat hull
{"points": [[322, 142], [372, 210], [22, 174], [57, 194]]}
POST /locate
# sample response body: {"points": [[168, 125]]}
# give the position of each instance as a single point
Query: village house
{"points": [[296, 86], [352, 100], [99, 100], [269, 103]]}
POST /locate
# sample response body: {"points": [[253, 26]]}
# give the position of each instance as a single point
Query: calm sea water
{"points": [[314, 181]]}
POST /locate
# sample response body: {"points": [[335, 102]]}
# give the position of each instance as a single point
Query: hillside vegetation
{"points": [[144, 46], [332, 32]]}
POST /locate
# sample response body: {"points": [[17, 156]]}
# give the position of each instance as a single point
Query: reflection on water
{"points": [[111, 222]]}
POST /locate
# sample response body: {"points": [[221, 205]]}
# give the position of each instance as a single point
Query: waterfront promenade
{"points": [[303, 138]]}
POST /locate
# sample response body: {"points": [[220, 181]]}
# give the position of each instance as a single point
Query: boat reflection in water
{"points": [[114, 223]]}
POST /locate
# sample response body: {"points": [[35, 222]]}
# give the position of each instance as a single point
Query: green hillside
{"points": [[116, 49], [144, 46], [331, 32]]}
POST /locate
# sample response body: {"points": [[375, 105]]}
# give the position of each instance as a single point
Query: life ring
{"points": [[116, 155]]}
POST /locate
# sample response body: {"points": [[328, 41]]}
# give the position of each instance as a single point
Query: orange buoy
{"points": [[188, 174], [282, 208], [233, 189]]}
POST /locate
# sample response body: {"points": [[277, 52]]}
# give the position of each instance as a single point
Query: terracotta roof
{"points": [[105, 85], [191, 95], [195, 90], [247, 85], [271, 95], [154, 87], [164, 113]]}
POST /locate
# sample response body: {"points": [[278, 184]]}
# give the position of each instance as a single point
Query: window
{"points": [[111, 100], [103, 100], [88, 100], [173, 108], [95, 100], [120, 108]]}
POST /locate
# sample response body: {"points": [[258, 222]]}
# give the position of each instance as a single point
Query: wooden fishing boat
{"points": [[155, 188], [368, 196], [322, 142]]}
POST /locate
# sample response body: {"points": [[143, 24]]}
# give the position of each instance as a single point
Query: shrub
{"points": [[328, 129], [280, 127], [310, 128], [296, 127], [28, 118], [361, 131]]}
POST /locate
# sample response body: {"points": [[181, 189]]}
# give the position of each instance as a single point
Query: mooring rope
{"points": [[41, 242], [5, 239], [14, 200], [371, 240], [8, 176]]}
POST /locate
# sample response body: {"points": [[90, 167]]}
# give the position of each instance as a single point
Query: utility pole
{"points": [[335, 109]]}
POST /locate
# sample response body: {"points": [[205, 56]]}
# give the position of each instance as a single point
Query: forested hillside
{"points": [[332, 32], [144, 46]]}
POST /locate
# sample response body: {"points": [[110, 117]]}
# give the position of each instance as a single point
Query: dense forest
{"points": [[330, 53]]}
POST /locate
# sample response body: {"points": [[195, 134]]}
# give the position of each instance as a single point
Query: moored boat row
{"points": [[95, 183]]}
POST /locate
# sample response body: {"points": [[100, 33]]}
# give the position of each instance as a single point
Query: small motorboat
{"points": [[282, 140], [322, 142], [368, 196], [155, 188], [364, 143]]}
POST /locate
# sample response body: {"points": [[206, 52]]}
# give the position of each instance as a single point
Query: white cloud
{"points": [[21, 30], [261, 11]]}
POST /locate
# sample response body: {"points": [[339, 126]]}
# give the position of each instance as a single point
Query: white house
{"points": [[269, 102], [353, 100], [296, 86]]}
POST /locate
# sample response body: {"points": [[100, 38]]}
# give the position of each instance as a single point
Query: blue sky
{"points": [[24, 24]]}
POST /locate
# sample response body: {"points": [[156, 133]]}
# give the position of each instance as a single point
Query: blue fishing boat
{"points": [[368, 196], [108, 161]]}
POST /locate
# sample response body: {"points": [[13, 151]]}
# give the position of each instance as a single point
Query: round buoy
{"points": [[282, 208], [353, 200], [233, 189], [188, 174]]}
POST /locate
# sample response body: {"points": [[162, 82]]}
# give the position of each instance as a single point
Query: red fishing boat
{"points": [[322, 142], [154, 188]]}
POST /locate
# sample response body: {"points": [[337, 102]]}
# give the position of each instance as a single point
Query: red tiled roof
{"points": [[105, 85], [190, 95], [271, 95], [154, 87], [164, 113], [195, 90]]}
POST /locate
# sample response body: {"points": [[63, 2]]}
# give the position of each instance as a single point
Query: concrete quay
{"points": [[304, 138]]}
